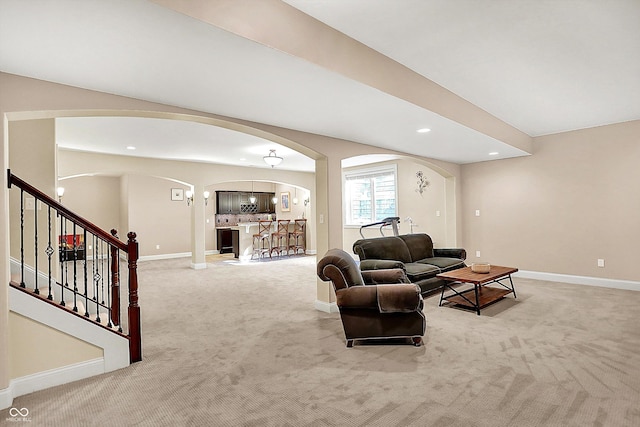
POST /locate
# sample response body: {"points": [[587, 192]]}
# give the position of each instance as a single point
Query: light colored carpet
{"points": [[241, 345]]}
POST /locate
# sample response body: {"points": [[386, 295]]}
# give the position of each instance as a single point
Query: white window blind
{"points": [[370, 195]]}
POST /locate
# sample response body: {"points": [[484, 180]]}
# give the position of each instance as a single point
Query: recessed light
{"points": [[131, 147], [423, 130], [493, 153]]}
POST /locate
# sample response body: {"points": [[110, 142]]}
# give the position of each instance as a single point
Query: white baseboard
{"points": [[311, 252], [173, 255], [164, 256], [51, 378], [327, 307], [6, 397], [199, 265], [580, 280]]}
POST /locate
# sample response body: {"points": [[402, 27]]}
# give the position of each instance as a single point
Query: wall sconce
{"points": [[60, 193], [189, 196], [307, 201], [274, 199]]}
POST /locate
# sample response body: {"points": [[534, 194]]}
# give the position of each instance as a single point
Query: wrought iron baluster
{"points": [[102, 247], [96, 276], [22, 285], [74, 252], [50, 251], [63, 265], [109, 285], [86, 290], [36, 290]]}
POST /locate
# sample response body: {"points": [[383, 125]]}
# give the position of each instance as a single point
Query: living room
{"points": [[554, 213]]}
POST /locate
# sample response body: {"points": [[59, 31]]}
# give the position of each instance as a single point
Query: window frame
{"points": [[366, 172]]}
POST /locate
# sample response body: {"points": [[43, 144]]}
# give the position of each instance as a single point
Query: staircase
{"points": [[68, 264]]}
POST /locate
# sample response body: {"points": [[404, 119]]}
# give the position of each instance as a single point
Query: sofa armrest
{"points": [[381, 277], [357, 297], [450, 253], [401, 298], [392, 298], [381, 264]]}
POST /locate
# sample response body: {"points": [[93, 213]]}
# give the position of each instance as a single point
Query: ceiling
{"points": [[541, 66]]}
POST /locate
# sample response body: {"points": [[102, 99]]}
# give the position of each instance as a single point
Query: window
{"points": [[370, 195]]}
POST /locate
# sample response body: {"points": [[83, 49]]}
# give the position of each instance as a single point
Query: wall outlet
{"points": [[321, 219], [600, 263], [157, 246], [477, 212], [477, 254], [437, 213], [30, 203]]}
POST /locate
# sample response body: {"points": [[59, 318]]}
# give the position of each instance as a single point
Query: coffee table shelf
{"points": [[480, 295], [486, 295]]}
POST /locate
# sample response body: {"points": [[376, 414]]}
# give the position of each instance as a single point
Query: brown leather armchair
{"points": [[374, 304]]}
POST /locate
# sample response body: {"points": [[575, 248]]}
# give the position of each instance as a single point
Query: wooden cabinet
{"points": [[228, 202], [228, 241], [236, 202], [264, 203]]}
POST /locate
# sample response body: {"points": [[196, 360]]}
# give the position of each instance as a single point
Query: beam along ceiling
{"points": [[540, 66]]}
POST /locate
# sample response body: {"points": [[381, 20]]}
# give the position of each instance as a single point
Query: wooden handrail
{"points": [[87, 225], [130, 249]]}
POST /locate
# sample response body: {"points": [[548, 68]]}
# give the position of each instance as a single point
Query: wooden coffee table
{"points": [[480, 295]]}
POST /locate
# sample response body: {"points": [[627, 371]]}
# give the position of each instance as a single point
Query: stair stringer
{"points": [[115, 347]]}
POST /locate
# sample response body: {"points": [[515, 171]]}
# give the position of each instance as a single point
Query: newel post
{"points": [[135, 338], [115, 281]]}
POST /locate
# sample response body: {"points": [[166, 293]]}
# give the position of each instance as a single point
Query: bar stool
{"points": [[262, 240], [298, 237], [280, 242]]}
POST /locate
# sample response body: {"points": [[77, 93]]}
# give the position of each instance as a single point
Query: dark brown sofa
{"points": [[374, 304], [414, 253]]}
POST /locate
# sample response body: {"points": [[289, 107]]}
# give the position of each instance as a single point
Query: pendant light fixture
{"points": [[252, 198], [272, 160]]}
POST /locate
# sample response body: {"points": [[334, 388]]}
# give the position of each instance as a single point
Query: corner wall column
{"points": [[328, 223], [198, 260], [5, 393]]}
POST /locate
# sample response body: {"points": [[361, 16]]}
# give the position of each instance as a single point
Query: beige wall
{"points": [[36, 347], [96, 198], [422, 208], [576, 200], [31, 150], [156, 219]]}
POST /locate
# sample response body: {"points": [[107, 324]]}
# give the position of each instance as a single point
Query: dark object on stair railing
{"points": [[373, 305]]}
